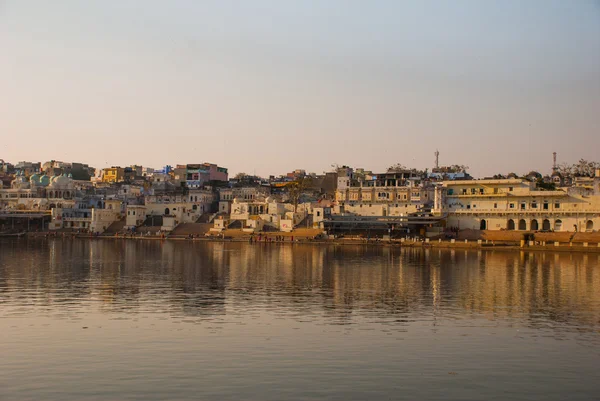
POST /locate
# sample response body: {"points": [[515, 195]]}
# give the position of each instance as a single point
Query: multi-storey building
{"points": [[516, 204], [388, 194], [113, 174], [198, 175], [241, 194]]}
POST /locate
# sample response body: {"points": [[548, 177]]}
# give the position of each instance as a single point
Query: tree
{"points": [[545, 186], [240, 176], [533, 175], [297, 188], [458, 168], [583, 168], [397, 168]]}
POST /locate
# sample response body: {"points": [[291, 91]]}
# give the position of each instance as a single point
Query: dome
{"points": [[61, 181], [44, 180], [20, 182], [34, 179]]}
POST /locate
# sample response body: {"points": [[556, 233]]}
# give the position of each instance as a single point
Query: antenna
{"points": [[554, 166], [437, 158]]}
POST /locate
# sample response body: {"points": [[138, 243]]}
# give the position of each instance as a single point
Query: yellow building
{"points": [[113, 174], [516, 204]]}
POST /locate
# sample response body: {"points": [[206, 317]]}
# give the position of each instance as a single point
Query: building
{"points": [[241, 194], [38, 192], [79, 171], [28, 168], [516, 204], [175, 207], [198, 175], [393, 193], [113, 174]]}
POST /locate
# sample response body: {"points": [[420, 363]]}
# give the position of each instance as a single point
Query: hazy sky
{"points": [[270, 86]]}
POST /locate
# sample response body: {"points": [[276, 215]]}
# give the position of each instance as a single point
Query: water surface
{"points": [[149, 320]]}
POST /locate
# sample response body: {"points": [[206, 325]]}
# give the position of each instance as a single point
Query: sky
{"points": [[269, 86]]}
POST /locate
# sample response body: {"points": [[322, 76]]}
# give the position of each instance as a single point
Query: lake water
{"points": [[149, 320]]}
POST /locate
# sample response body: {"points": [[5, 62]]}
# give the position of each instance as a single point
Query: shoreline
{"points": [[396, 243]]}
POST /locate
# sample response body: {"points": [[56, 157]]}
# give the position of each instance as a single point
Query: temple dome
{"points": [[20, 182], [44, 180], [61, 182], [34, 178]]}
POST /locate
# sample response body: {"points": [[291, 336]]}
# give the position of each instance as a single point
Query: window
{"points": [[510, 189], [557, 205], [522, 205], [473, 191], [495, 205], [495, 190], [468, 206], [318, 213], [451, 191], [480, 191], [464, 191], [534, 205], [545, 205], [474, 206], [511, 206]]}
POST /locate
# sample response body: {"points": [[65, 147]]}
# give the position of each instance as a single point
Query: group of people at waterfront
{"points": [[266, 238]]}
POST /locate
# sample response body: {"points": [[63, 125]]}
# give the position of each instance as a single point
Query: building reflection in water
{"points": [[342, 284]]}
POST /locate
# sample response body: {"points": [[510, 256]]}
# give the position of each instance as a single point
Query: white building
{"points": [[516, 204]]}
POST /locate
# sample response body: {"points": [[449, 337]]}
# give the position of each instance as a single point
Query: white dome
{"points": [[61, 182], [20, 182]]}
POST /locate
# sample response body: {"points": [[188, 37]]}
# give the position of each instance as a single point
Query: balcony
{"points": [[78, 219]]}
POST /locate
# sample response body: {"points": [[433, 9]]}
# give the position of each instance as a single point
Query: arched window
{"points": [[546, 225], [167, 211], [511, 224], [522, 225], [558, 225], [589, 226], [534, 225], [483, 225]]}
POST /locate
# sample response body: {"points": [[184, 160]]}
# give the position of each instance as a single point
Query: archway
{"points": [[167, 211], [557, 225], [546, 225], [589, 226], [522, 225], [483, 225], [511, 224], [534, 225]]}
